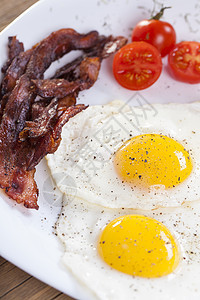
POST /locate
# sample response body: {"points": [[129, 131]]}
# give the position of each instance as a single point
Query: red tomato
{"points": [[137, 65], [184, 62], [157, 33]]}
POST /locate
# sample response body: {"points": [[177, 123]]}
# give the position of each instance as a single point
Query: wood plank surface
{"points": [[10, 9], [15, 284]]}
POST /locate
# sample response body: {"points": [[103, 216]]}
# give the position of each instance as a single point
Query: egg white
{"points": [[96, 198], [90, 139], [79, 227]]}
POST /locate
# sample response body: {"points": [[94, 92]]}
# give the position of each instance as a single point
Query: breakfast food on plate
{"points": [[173, 251], [117, 163], [137, 68], [33, 110], [158, 33], [137, 65], [132, 234], [139, 246], [183, 61]]}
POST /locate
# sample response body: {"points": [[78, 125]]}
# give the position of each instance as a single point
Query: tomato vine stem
{"points": [[160, 13]]}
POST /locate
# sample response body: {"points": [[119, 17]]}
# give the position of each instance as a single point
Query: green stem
{"points": [[159, 14]]}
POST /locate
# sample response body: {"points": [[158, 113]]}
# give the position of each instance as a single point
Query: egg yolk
{"points": [[153, 159], [139, 246]]}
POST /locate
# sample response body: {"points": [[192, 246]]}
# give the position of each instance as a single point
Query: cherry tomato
{"points": [[137, 65], [158, 33], [184, 62]]}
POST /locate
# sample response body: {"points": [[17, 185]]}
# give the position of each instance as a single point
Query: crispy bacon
{"points": [[35, 61], [15, 180], [24, 188], [14, 49], [103, 49], [59, 88], [15, 71], [51, 140], [58, 43], [33, 110], [40, 126], [66, 102], [88, 72], [86, 75], [15, 113]]}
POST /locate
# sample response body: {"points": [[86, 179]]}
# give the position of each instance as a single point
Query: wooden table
{"points": [[14, 283]]}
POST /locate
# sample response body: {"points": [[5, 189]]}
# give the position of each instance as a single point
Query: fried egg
{"points": [[132, 157], [171, 270], [130, 218]]}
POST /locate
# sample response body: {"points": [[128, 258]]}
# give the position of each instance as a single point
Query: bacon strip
{"points": [[33, 110], [87, 74], [36, 61], [51, 140], [12, 123], [59, 88], [58, 43], [14, 49], [15, 71], [24, 188], [40, 126]]}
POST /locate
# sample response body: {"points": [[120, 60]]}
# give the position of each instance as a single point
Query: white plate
{"points": [[26, 237]]}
